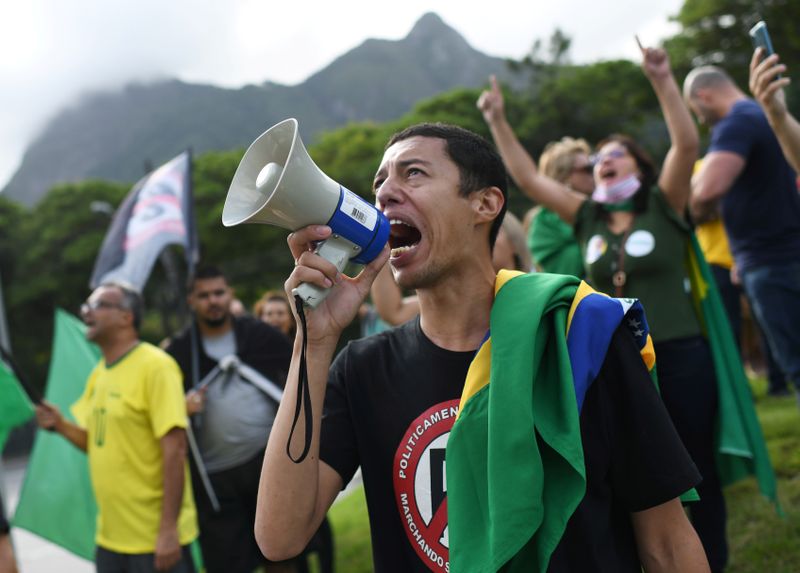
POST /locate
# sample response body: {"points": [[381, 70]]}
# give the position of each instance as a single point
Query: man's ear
{"points": [[487, 204], [703, 95], [129, 317]]}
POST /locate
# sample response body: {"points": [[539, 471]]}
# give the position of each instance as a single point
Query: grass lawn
{"points": [[760, 541]]}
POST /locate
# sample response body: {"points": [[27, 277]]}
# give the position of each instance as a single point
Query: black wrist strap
{"points": [[303, 402]]}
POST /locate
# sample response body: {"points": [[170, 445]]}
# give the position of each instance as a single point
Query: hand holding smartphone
{"points": [[760, 36], [766, 82]]}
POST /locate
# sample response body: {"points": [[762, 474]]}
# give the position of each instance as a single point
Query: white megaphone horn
{"points": [[277, 183]]}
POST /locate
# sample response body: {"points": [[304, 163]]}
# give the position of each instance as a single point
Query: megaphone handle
{"points": [[338, 251]]}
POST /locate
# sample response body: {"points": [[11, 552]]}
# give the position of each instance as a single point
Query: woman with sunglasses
{"points": [[551, 241], [634, 239]]}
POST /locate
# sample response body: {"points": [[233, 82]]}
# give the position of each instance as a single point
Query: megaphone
{"points": [[277, 183]]}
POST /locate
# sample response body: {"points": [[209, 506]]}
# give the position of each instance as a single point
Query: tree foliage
{"points": [[54, 246], [47, 253], [716, 32]]}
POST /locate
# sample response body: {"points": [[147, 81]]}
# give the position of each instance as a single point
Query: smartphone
{"points": [[760, 37]]}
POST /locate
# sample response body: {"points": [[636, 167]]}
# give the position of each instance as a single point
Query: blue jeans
{"points": [[730, 294], [774, 295]]}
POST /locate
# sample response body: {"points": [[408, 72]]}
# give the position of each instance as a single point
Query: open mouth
{"points": [[608, 174], [403, 237]]}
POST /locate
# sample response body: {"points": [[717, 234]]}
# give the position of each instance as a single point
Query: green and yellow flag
{"points": [[515, 467], [740, 449]]}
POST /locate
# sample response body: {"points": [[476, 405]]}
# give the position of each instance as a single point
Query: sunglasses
{"points": [[610, 154], [588, 169]]}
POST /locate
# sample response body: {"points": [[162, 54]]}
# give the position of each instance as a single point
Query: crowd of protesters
{"points": [[609, 216]]}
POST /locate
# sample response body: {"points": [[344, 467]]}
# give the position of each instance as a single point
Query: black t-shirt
{"points": [[391, 401], [258, 345]]}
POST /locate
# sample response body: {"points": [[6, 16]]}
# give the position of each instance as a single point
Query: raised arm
{"points": [[294, 497], [767, 88], [676, 173], [389, 302], [520, 165]]}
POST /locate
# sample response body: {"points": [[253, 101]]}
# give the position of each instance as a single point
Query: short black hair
{"points": [[479, 164], [131, 300], [202, 272]]}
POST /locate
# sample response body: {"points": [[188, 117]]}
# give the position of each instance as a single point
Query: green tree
{"points": [[10, 216], [716, 32], [56, 247], [254, 257]]}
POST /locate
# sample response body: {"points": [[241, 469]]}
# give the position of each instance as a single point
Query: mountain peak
{"points": [[379, 80], [429, 20], [430, 27]]}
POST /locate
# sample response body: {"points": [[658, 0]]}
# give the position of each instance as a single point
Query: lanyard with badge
{"points": [[620, 277]]}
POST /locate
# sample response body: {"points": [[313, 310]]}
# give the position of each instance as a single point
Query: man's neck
{"points": [[731, 100], [455, 314], [117, 348]]}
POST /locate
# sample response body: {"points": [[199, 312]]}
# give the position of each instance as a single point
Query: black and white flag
{"points": [[157, 212]]}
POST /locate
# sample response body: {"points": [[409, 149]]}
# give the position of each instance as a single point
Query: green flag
{"points": [[15, 407], [740, 448], [57, 501]]}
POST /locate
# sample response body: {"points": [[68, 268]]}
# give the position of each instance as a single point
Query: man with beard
{"points": [[238, 360], [390, 400], [746, 173]]}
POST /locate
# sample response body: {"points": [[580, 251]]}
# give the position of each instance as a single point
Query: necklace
{"points": [[620, 277]]}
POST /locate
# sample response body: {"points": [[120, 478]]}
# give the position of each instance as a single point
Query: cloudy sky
{"points": [[52, 51]]}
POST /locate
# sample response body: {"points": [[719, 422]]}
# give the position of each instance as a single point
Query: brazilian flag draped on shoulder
{"points": [[510, 496], [56, 501], [740, 448]]}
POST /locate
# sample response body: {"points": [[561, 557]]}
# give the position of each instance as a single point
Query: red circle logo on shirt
{"points": [[420, 483]]}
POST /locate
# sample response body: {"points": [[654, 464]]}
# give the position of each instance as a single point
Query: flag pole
{"points": [[5, 339], [5, 353], [191, 259], [5, 344]]}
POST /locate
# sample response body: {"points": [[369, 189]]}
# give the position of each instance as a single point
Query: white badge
{"points": [[595, 248], [640, 243]]}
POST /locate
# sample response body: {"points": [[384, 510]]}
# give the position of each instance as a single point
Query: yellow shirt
{"points": [[126, 409], [714, 243], [712, 238]]}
